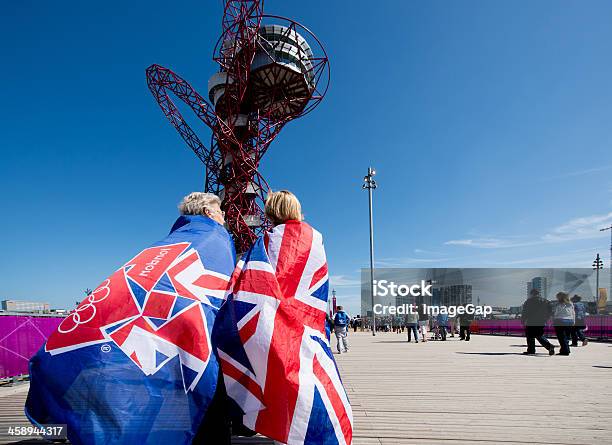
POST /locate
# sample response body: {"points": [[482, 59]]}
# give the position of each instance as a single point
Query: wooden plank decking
{"points": [[453, 392], [482, 391]]}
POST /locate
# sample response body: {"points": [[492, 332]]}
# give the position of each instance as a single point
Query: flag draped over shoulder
{"points": [[282, 372], [134, 362]]}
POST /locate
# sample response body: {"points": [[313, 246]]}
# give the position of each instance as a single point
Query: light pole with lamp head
{"points": [[597, 266], [370, 184]]}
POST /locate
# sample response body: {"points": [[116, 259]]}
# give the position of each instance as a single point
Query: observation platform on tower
{"points": [[479, 392]]}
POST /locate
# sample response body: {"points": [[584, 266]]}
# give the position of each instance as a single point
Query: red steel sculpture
{"points": [[268, 75]]}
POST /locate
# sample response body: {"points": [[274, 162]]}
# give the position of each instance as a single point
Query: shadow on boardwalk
{"points": [[490, 353]]}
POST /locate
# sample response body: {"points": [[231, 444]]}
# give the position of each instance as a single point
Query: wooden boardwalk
{"points": [[480, 392]]}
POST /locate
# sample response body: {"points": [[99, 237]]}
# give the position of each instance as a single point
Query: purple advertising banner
{"points": [[598, 326], [20, 337]]}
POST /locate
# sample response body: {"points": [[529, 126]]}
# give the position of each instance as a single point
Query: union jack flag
{"points": [[283, 374]]}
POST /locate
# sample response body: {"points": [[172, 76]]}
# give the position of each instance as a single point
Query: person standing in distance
{"points": [[412, 323], [341, 322], [442, 323], [564, 317], [423, 321], [580, 324], [465, 325], [535, 315]]}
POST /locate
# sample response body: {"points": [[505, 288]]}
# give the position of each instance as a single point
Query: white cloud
{"points": [[585, 227], [351, 303], [343, 281], [574, 258], [578, 173], [406, 261], [487, 243], [426, 252], [579, 228]]}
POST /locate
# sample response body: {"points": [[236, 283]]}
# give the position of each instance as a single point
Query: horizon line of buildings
{"points": [[20, 307]]}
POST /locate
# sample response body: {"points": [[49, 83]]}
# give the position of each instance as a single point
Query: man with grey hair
{"points": [[215, 427], [205, 204], [165, 301]]}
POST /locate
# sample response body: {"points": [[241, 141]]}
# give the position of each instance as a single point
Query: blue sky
{"points": [[488, 124]]}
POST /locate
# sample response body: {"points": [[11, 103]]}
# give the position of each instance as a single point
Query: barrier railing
{"points": [[20, 338], [598, 327]]}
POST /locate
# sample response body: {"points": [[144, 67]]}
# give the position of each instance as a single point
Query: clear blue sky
{"points": [[488, 123]]}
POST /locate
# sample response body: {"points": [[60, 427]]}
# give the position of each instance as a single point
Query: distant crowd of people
{"points": [[568, 318], [421, 325]]}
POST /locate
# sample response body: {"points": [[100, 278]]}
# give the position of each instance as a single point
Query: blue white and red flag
{"points": [[134, 362], [282, 373]]}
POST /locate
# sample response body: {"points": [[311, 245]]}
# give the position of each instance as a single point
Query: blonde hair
{"points": [[196, 203], [563, 297], [282, 206]]}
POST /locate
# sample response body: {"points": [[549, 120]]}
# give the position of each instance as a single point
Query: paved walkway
{"points": [[477, 392], [455, 393]]}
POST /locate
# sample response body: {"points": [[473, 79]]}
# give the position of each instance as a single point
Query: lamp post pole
{"points": [[597, 265], [370, 184]]}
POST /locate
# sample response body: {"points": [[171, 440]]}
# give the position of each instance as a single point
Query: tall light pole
{"points": [[610, 263], [370, 184], [597, 266]]}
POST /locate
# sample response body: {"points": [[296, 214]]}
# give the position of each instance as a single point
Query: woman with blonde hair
{"points": [[283, 206], [563, 321], [282, 284]]}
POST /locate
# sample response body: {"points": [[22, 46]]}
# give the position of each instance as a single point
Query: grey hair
{"points": [[196, 203]]}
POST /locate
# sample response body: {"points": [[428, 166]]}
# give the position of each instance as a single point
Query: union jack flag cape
{"points": [[133, 364], [282, 372]]}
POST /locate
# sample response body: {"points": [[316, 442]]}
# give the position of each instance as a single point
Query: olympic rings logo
{"points": [[86, 312]]}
